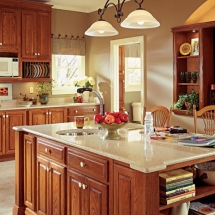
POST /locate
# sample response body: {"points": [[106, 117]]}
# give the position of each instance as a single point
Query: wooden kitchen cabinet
{"points": [[88, 110], [87, 183], [36, 35], [47, 116], [85, 195], [30, 175], [8, 119], [51, 178], [202, 63], [10, 18]]}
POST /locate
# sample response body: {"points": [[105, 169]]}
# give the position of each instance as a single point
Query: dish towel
{"points": [[182, 209]]}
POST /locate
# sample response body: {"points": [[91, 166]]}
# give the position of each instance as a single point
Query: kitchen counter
{"points": [[132, 148], [49, 105]]}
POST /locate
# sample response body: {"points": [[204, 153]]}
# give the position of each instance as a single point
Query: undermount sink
{"points": [[78, 132]]}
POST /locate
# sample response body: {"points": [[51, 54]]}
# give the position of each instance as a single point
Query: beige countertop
{"points": [[49, 105], [132, 148]]}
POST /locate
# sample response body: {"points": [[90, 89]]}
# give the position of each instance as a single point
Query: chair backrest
{"points": [[207, 113], [161, 116]]}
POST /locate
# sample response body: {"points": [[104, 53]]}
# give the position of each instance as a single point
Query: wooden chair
{"points": [[161, 116], [207, 113]]}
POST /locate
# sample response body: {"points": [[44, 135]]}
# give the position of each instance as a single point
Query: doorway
{"points": [[114, 65]]}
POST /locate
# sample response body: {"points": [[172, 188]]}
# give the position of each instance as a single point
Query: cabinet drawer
{"points": [[88, 164], [51, 150], [75, 111]]}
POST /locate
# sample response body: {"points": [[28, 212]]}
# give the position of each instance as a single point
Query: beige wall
{"points": [[158, 45]]}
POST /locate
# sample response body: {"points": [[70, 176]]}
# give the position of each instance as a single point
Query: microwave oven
{"points": [[9, 67]]}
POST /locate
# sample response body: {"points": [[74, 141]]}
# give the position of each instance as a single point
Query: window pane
{"points": [[134, 76]]}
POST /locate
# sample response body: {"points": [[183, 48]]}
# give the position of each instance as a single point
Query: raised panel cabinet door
{"points": [[56, 189], [96, 197], [13, 118], [2, 133], [9, 29], [122, 190], [42, 185], [75, 198], [29, 32], [38, 116], [30, 171], [44, 35], [57, 115]]}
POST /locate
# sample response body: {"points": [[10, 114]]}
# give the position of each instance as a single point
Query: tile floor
{"points": [[7, 187]]}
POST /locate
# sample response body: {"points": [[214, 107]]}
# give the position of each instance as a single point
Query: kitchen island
{"points": [[63, 174]]}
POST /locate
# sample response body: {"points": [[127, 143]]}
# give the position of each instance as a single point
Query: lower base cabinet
{"points": [[85, 195], [51, 178]]}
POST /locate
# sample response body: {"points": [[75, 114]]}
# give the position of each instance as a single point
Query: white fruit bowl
{"points": [[25, 103], [206, 172]]}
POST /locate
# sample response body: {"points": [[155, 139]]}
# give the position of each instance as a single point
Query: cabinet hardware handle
{"points": [[0, 44], [79, 184], [3, 116], [50, 112], [47, 113], [47, 150], [84, 186], [82, 164], [38, 54], [76, 111], [94, 109], [7, 116], [35, 53]]}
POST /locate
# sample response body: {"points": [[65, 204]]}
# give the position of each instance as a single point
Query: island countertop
{"points": [[141, 154]]}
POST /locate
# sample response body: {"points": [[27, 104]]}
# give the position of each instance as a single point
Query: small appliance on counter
{"points": [[9, 67]]}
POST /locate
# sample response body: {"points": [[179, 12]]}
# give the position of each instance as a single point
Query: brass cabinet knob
{"points": [[82, 164]]}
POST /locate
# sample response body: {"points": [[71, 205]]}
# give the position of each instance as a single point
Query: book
{"points": [[174, 175], [180, 197], [202, 208], [175, 182], [198, 141], [177, 186], [176, 192]]}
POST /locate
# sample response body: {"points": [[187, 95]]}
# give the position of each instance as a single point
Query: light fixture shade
{"points": [[140, 19], [101, 28]]}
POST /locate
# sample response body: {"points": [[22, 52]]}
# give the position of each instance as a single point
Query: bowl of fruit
{"points": [[112, 121]]}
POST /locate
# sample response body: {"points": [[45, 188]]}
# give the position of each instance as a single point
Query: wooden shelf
{"points": [[189, 84], [201, 192], [188, 56]]}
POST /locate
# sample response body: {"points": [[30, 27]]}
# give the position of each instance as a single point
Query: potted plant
{"points": [[186, 101], [44, 89]]}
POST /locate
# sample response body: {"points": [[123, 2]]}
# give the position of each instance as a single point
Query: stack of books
{"points": [[176, 185]]}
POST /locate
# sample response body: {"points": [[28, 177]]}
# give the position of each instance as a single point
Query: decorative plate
{"points": [[185, 49]]}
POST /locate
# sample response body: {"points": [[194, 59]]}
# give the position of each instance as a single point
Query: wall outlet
{"points": [[31, 90]]}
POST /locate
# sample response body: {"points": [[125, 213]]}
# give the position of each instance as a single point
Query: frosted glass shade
{"points": [[140, 19], [101, 28]]}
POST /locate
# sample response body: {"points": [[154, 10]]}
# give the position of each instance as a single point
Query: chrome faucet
{"points": [[81, 90]]}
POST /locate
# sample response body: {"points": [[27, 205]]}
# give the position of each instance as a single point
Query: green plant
{"points": [[85, 81], [186, 101], [45, 87]]}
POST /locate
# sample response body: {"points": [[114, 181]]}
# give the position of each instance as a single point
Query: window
{"points": [[132, 74], [66, 68]]}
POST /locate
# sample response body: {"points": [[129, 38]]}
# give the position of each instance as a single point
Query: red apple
{"points": [[109, 119], [98, 118], [107, 112], [123, 117], [115, 114], [118, 120]]}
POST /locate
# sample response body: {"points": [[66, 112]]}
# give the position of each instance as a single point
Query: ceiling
{"points": [[86, 6]]}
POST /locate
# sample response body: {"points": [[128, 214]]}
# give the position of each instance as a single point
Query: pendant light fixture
{"points": [[138, 19]]}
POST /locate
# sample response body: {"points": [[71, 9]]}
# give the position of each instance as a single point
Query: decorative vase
{"points": [[43, 99], [86, 97]]}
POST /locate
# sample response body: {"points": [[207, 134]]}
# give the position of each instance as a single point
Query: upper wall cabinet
{"points": [[193, 55], [36, 35], [9, 29]]}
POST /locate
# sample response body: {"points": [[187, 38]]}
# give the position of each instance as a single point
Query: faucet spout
{"points": [[81, 90]]}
